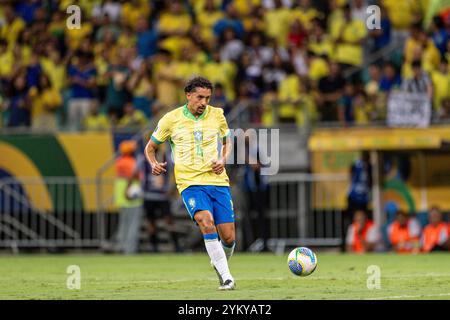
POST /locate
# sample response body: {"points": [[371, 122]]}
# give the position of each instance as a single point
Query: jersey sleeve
{"points": [[224, 131], [162, 131]]}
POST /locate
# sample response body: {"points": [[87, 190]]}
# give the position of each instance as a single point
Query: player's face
{"points": [[198, 100]]}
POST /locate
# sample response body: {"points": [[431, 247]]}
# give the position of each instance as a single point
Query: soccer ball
{"points": [[134, 192], [302, 261]]}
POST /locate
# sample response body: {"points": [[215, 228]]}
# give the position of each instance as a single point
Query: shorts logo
{"points": [[231, 203], [191, 203]]}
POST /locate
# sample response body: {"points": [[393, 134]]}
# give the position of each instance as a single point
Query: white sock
{"points": [[217, 255], [229, 250]]}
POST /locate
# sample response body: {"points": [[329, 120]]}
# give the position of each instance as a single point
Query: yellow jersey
{"points": [[194, 143]]}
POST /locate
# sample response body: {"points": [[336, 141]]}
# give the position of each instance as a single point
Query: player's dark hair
{"points": [[197, 82]]}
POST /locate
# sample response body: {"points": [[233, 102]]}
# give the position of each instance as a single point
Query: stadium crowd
{"points": [[291, 61]]}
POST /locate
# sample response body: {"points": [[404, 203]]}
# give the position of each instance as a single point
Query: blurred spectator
{"points": [[110, 8], [231, 47], [381, 37], [420, 81], [349, 36], [157, 192], [390, 79], [134, 9], [362, 109], [219, 99], [319, 42], [147, 39], [19, 103], [289, 94], [439, 34], [166, 83], [45, 100], [435, 235], [207, 15], [330, 91], [275, 72], [95, 120], [81, 78], [173, 27], [373, 84], [132, 118], [362, 235], [13, 25], [445, 108], [141, 87], [296, 34], [345, 105], [221, 72], [33, 70], [404, 233], [277, 22], [130, 208], [117, 92], [361, 183], [358, 196], [441, 85], [231, 21]]}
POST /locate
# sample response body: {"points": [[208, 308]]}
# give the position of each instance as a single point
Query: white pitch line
{"points": [[410, 296]]}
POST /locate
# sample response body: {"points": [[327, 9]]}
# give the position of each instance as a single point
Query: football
{"points": [[302, 261]]}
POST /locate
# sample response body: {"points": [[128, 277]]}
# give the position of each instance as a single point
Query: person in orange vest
{"points": [[404, 233], [362, 235], [127, 198], [435, 236]]}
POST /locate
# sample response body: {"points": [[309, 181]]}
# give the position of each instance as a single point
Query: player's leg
{"points": [[215, 251], [199, 206], [227, 234], [224, 218]]}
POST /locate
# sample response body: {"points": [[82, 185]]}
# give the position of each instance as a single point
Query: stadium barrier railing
{"points": [[51, 212], [304, 209]]}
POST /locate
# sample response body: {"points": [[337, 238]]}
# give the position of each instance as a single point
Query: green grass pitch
{"points": [[189, 276]]}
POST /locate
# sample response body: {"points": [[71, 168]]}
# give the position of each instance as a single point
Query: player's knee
{"points": [[228, 240], [205, 221]]}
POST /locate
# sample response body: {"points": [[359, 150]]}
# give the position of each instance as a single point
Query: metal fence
{"points": [[55, 212], [65, 212], [305, 209]]}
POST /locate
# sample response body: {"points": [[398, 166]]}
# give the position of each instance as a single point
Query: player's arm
{"points": [[162, 133], [150, 154]]}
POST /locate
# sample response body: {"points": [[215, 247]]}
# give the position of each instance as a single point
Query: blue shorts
{"points": [[215, 199]]}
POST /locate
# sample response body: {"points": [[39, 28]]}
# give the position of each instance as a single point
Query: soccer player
{"points": [[194, 131]]}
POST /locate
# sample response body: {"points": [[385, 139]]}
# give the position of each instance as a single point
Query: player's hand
{"points": [[218, 166], [158, 168]]}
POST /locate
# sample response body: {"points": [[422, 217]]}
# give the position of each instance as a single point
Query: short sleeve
{"points": [[224, 131], [162, 131]]}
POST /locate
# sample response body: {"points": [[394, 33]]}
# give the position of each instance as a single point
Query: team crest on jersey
{"points": [[192, 203], [198, 135]]}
